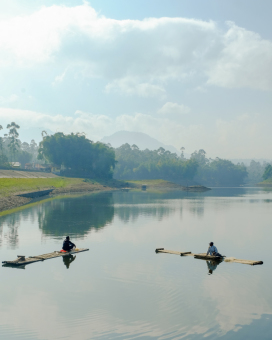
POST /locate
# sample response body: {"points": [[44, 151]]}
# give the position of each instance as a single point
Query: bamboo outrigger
{"points": [[22, 260], [206, 257]]}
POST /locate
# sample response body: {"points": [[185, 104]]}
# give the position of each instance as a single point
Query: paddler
{"points": [[212, 250], [67, 244]]}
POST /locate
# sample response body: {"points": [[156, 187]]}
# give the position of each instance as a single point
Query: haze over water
{"points": [[122, 289]]}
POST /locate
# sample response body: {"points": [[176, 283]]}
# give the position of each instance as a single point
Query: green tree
{"points": [[24, 157], [255, 172], [78, 154], [221, 172], [13, 138], [182, 149], [133, 163], [200, 157], [1, 141], [267, 172], [3, 157]]}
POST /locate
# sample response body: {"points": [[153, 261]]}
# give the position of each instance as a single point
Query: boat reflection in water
{"points": [[67, 260], [7, 265]]}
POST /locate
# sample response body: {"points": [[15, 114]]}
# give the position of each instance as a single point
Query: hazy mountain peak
{"points": [[142, 140]]}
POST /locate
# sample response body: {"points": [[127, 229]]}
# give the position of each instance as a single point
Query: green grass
{"points": [[267, 182], [11, 186], [42, 200], [8, 186], [152, 182], [154, 185]]}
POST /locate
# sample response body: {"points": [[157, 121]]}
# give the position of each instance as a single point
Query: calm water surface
{"points": [[121, 289]]}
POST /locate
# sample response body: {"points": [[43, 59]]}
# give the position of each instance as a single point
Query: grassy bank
{"points": [[11, 187], [42, 199], [266, 183], [160, 185], [15, 186], [155, 184]]}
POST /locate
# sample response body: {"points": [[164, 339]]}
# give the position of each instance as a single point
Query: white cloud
{"points": [[145, 58], [245, 61], [136, 57], [174, 110], [8, 100], [59, 78], [130, 86]]}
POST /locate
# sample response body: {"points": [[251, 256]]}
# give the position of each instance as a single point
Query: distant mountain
{"points": [[142, 140]]}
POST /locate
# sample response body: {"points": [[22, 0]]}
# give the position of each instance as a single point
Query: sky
{"points": [[190, 73]]}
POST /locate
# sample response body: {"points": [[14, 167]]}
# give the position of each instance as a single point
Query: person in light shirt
{"points": [[212, 250]]}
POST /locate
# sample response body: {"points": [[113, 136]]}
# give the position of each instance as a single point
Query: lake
{"points": [[122, 289]]}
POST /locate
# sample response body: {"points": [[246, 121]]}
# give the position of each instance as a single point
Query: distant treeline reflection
{"points": [[10, 233], [76, 216], [130, 205]]}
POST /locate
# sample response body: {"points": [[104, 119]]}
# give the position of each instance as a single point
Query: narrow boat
{"points": [[204, 256], [22, 260]]}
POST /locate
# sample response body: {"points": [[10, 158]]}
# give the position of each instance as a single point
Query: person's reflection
{"points": [[67, 260], [212, 265]]}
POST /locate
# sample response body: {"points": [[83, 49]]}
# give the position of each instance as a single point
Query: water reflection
{"points": [[67, 260], [8, 265], [76, 216], [10, 234], [130, 205], [127, 292], [212, 265]]}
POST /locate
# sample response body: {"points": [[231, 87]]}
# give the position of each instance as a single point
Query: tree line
{"points": [[133, 164], [136, 164], [74, 153], [79, 156], [13, 150]]}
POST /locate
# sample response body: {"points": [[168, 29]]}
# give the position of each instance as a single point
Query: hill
{"points": [[142, 140]]}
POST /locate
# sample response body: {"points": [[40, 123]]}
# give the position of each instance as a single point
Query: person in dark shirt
{"points": [[67, 244]]}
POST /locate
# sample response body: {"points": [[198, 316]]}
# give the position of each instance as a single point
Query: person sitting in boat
{"points": [[212, 250], [67, 244]]}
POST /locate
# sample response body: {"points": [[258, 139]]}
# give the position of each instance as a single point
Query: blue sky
{"points": [[196, 74]]}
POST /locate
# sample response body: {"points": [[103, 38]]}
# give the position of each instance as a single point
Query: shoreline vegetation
{"points": [[163, 185], [266, 183], [10, 188], [75, 156]]}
